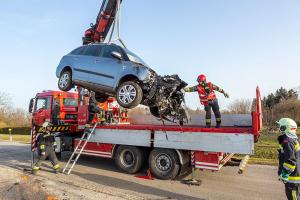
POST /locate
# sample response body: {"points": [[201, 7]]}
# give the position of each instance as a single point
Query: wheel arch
{"points": [[66, 68], [128, 77]]}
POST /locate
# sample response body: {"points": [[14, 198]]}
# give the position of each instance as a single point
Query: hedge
{"points": [[16, 130]]}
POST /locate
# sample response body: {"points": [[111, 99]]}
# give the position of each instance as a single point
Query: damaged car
{"points": [[110, 70]]}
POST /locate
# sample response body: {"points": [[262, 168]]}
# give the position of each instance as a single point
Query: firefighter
{"points": [[94, 109], [289, 158], [46, 149], [208, 98]]}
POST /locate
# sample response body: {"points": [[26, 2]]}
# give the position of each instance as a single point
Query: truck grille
{"points": [[70, 116]]}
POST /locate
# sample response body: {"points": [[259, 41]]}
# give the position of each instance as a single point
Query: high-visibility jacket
{"points": [[289, 158], [206, 93]]}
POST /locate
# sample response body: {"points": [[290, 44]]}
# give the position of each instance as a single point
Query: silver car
{"points": [[108, 70]]}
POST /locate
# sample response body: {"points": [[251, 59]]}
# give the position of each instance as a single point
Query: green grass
{"points": [[266, 149], [16, 138]]}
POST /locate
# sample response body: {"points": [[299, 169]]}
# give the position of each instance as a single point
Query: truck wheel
{"points": [[129, 159], [65, 81], [129, 94], [164, 163]]}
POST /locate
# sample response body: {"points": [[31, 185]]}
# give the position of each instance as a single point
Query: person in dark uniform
{"points": [[93, 109], [208, 98], [46, 149], [289, 158]]}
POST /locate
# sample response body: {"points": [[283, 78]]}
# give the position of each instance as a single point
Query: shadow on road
{"points": [[135, 187]]}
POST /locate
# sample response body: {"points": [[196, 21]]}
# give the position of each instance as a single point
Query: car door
{"points": [[107, 68], [42, 110], [78, 62]]}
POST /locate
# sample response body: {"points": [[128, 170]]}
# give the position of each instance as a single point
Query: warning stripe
{"points": [[33, 138], [60, 128]]}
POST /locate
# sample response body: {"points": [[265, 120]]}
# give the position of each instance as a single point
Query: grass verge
{"points": [[16, 138]]}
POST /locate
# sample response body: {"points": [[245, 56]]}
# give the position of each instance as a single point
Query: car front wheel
{"points": [[65, 81], [129, 94]]}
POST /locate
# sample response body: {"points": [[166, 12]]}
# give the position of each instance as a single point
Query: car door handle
{"points": [[97, 61]]}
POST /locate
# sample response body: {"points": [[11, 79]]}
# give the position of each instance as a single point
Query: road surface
{"points": [[96, 176]]}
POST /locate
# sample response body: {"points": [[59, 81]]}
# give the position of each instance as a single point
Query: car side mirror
{"points": [[116, 55], [30, 108]]}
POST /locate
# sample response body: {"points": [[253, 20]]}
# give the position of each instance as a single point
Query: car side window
{"points": [[78, 51], [93, 50], [109, 49]]}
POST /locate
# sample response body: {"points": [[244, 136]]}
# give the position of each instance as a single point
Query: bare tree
{"points": [[241, 106]]}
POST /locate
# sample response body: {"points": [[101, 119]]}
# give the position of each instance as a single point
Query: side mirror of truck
{"points": [[30, 109], [116, 55]]}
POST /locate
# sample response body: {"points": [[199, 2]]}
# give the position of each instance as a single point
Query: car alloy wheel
{"points": [[127, 94], [64, 80]]}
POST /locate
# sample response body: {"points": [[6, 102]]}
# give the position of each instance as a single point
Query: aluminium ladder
{"points": [[79, 149]]}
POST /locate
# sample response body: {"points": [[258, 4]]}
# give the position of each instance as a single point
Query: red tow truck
{"points": [[168, 150]]}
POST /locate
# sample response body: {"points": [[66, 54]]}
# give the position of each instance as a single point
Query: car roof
{"points": [[102, 44]]}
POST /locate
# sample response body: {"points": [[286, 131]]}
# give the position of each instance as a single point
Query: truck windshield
{"points": [[70, 102], [134, 58]]}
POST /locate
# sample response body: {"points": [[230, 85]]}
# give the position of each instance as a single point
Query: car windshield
{"points": [[134, 58]]}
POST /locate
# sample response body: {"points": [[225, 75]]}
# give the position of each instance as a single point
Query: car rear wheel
{"points": [[164, 163], [65, 81], [129, 159], [129, 94]]}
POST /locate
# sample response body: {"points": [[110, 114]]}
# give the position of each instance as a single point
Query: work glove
{"points": [[226, 95], [284, 175], [43, 153]]}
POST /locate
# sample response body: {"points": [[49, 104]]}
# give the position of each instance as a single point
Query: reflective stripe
{"points": [[35, 168], [42, 146], [289, 166], [297, 147], [218, 119], [294, 194], [208, 120], [56, 166]]}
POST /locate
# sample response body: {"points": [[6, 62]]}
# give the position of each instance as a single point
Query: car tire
{"points": [[164, 163], [127, 100], [129, 159], [101, 98], [65, 81]]}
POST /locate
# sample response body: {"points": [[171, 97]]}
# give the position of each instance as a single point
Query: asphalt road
{"points": [[101, 176]]}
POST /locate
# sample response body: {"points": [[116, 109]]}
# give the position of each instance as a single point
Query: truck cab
{"points": [[56, 107]]}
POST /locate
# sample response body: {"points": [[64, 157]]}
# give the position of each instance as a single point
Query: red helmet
{"points": [[201, 78]]}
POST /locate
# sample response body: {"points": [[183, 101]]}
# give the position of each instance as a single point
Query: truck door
{"points": [[42, 110]]}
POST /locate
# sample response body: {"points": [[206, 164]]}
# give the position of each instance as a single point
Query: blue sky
{"points": [[237, 44]]}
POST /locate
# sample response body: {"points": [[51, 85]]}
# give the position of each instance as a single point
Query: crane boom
{"points": [[104, 21]]}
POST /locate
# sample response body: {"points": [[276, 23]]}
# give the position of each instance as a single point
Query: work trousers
{"points": [[292, 191], [49, 153], [213, 105]]}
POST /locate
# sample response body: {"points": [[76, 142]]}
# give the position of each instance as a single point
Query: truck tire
{"points": [[129, 94], [129, 159], [164, 163], [65, 81]]}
